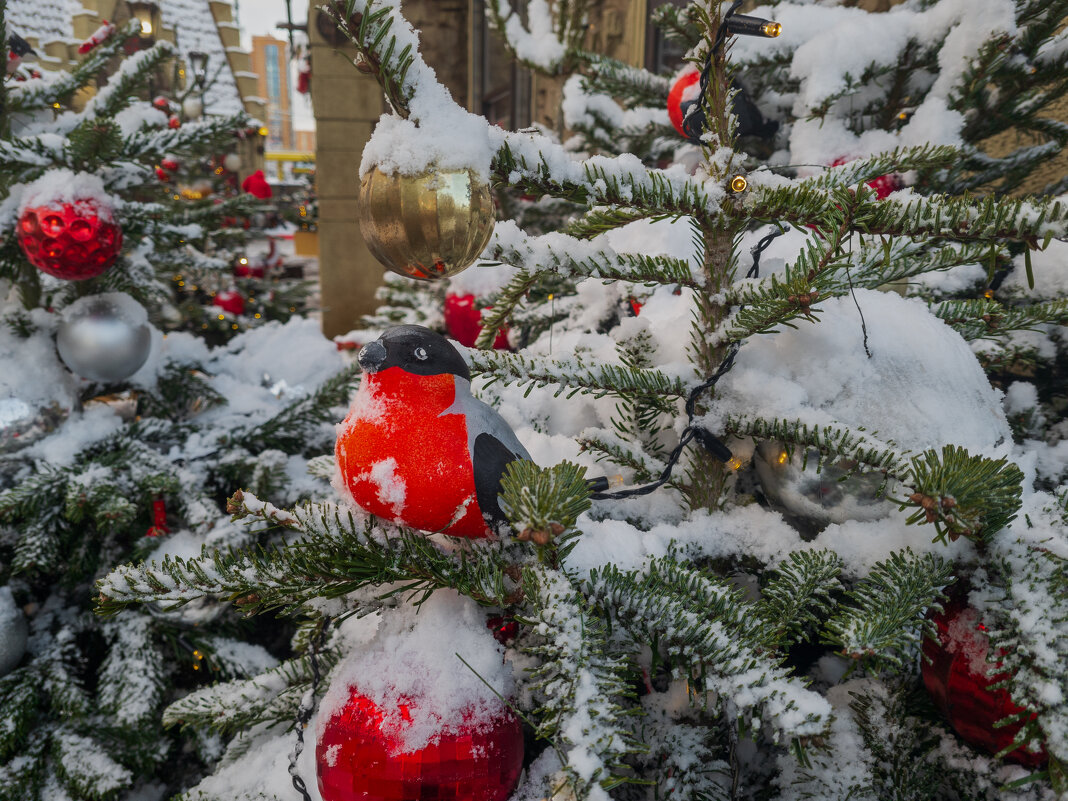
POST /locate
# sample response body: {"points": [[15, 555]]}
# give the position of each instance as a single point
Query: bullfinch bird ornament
{"points": [[417, 448]]}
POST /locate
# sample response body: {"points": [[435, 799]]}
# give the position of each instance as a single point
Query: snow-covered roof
{"points": [[43, 20], [195, 29]]}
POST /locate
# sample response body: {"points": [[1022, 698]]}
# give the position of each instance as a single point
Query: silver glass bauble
{"points": [[104, 337], [830, 493], [13, 632]]}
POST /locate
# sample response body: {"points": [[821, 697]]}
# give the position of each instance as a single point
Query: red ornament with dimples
{"points": [[70, 241], [230, 301], [361, 755], [958, 678]]}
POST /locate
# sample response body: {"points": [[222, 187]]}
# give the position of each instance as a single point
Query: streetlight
{"points": [[147, 13], [198, 63]]}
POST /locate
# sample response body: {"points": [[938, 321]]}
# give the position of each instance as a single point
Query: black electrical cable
{"points": [[305, 710], [692, 431]]}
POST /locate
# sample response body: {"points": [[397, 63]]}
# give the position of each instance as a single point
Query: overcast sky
{"points": [[258, 18]]}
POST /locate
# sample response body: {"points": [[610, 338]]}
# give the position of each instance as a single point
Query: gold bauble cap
{"points": [[426, 226]]}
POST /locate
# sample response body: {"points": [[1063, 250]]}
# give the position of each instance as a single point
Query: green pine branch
{"points": [[799, 595], [882, 621], [988, 319], [574, 375]]}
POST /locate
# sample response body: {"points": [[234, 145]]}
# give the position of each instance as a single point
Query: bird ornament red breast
{"points": [[417, 448]]}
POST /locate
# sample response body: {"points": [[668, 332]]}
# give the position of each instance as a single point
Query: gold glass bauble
{"points": [[427, 226]]}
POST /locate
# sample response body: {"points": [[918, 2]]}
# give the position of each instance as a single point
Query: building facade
{"points": [[270, 63]]}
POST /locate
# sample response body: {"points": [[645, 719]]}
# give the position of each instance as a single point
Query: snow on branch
{"points": [[711, 639]]}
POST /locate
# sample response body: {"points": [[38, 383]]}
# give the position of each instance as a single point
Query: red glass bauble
{"points": [[169, 164], [230, 301], [73, 242], [958, 678], [174, 122], [360, 756], [463, 321], [161, 103], [676, 97]]}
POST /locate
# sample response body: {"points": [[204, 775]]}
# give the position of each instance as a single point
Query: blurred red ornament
{"points": [[249, 270], [463, 321], [174, 122], [230, 301], [256, 185], [159, 519], [73, 242], [957, 677], [360, 756], [636, 306], [169, 164], [504, 629], [162, 103], [683, 91], [162, 174], [883, 185]]}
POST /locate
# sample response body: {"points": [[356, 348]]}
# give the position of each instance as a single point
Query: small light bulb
{"points": [[989, 294], [734, 463], [739, 183], [234, 326], [242, 260], [256, 315], [771, 29], [263, 131], [222, 316], [783, 456]]}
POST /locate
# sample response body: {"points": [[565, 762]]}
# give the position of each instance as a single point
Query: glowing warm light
{"points": [[771, 29], [222, 316], [181, 283], [242, 260], [263, 131], [146, 27], [989, 294], [234, 326], [734, 463], [256, 315], [783, 456], [739, 184], [56, 105]]}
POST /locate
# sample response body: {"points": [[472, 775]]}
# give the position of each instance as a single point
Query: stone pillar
{"points": [[347, 105]]}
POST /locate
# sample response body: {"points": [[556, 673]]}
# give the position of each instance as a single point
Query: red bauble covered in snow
{"points": [[361, 756], [958, 678], [463, 321], [70, 241], [230, 301], [174, 122], [685, 89]]}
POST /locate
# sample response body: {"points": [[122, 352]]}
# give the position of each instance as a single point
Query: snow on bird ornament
{"points": [[426, 226], [417, 448]]}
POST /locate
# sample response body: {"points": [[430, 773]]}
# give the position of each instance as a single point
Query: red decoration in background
{"points": [[679, 95], [304, 73], [161, 103], [159, 520], [169, 164], [73, 242], [256, 185], [230, 301], [957, 676], [162, 174], [249, 270], [463, 321], [174, 122], [359, 756], [504, 629], [101, 34], [883, 185]]}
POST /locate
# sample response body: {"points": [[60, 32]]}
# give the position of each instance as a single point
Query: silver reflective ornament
{"points": [[104, 337], [830, 493], [13, 632], [22, 424]]}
